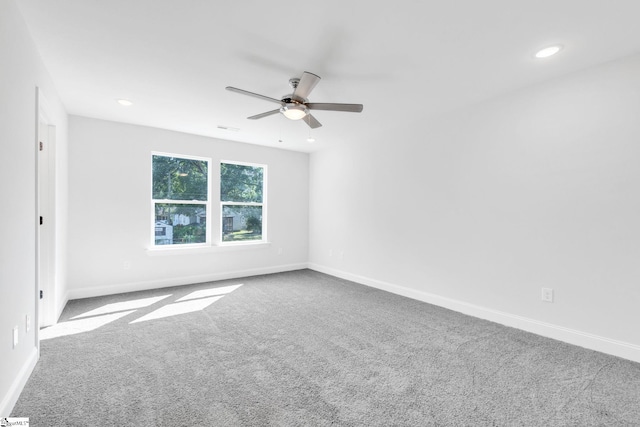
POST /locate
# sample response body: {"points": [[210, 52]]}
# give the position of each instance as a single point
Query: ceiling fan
{"points": [[296, 106]]}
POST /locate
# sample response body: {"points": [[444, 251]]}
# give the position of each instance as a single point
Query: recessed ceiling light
{"points": [[311, 139], [125, 102], [548, 51]]}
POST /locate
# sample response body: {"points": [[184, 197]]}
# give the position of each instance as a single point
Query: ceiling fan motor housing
{"points": [[294, 108], [294, 82]]}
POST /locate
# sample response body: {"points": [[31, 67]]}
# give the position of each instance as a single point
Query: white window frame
{"points": [[206, 203], [263, 204]]}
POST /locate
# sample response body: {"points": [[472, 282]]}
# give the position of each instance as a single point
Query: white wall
{"points": [[539, 188], [22, 71], [110, 210]]}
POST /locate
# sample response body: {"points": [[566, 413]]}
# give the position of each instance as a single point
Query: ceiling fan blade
{"points": [[353, 108], [307, 82], [245, 92], [311, 121], [261, 115]]}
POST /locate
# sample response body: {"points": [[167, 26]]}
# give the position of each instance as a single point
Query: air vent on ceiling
{"points": [[230, 129]]}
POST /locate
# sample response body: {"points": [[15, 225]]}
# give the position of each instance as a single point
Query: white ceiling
{"points": [[403, 60]]}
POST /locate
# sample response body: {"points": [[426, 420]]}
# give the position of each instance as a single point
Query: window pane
{"points": [[241, 223], [178, 224], [241, 183], [179, 179]]}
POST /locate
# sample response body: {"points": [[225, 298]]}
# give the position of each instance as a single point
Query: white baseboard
{"points": [[13, 393], [583, 339], [90, 292]]}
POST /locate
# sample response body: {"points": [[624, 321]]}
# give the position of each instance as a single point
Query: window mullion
{"points": [[181, 202]]}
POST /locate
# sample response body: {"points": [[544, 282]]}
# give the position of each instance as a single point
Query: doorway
{"points": [[45, 220]]}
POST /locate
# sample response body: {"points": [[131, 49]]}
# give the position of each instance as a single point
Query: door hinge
{"points": [[41, 294], [41, 145], [41, 220]]}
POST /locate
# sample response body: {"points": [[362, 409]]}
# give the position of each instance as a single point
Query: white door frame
{"points": [[45, 205]]}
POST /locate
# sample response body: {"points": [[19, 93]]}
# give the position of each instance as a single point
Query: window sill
{"points": [[195, 250]]}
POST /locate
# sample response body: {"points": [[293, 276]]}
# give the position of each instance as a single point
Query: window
{"points": [[180, 198], [242, 202]]}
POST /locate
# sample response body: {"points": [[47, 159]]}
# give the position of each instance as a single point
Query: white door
{"points": [[46, 228]]}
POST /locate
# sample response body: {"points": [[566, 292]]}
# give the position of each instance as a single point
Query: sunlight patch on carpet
{"points": [[122, 306], [78, 326], [179, 308], [223, 290]]}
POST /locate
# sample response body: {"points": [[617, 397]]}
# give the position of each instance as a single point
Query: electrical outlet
{"points": [[547, 294], [279, 251], [330, 252], [15, 336], [341, 254], [126, 265], [28, 323]]}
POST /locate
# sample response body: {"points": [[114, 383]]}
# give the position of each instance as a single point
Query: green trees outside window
{"points": [[242, 201], [180, 188]]}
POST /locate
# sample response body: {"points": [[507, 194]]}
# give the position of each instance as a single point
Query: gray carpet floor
{"points": [[306, 349]]}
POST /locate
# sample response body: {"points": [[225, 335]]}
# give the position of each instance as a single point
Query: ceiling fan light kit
{"points": [[296, 106], [294, 111]]}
